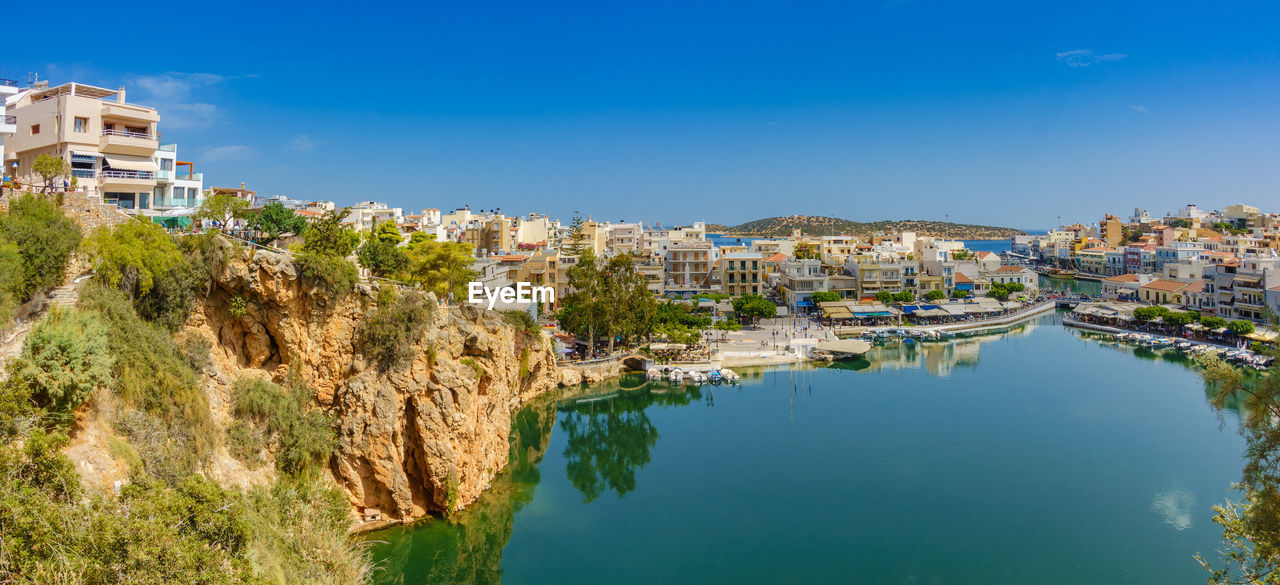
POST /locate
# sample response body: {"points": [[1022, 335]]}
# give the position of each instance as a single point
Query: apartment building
{"points": [[626, 238], [688, 265], [490, 235], [110, 143], [798, 281], [177, 183], [8, 124], [742, 273], [1237, 290], [875, 277]]}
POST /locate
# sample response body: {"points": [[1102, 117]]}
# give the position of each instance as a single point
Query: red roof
{"points": [[1011, 269], [960, 277], [779, 257], [1123, 278], [985, 254]]}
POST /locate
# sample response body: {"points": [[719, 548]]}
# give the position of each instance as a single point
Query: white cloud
{"points": [[302, 142], [226, 153], [172, 93], [1086, 57], [1138, 108]]}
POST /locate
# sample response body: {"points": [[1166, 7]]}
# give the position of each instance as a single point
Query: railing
{"points": [[9, 119], [169, 147], [145, 175], [84, 173], [129, 134], [8, 82], [163, 175]]}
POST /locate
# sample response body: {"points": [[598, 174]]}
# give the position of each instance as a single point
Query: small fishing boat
{"points": [[730, 375], [654, 374], [714, 377], [676, 377]]}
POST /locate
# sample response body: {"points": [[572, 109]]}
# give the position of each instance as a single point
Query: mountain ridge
{"points": [[811, 225]]}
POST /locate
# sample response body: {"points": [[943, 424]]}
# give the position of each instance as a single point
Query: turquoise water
{"points": [[1039, 456]]}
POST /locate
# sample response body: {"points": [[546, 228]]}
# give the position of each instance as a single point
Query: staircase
{"points": [[64, 296]]}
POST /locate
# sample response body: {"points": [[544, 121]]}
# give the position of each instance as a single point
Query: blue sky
{"points": [[1009, 113]]}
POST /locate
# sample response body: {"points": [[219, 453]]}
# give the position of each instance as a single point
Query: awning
{"points": [[1263, 335], [130, 163]]}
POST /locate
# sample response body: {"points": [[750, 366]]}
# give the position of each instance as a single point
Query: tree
{"points": [[754, 307], [131, 255], [905, 296], [583, 310], [935, 295], [441, 267], [64, 359], [1240, 327], [884, 296], [49, 168], [1213, 322], [1251, 525], [1177, 319], [222, 208], [824, 296], [387, 232], [805, 251], [383, 259], [420, 237], [629, 307], [45, 238], [276, 219], [1181, 223], [329, 236], [959, 294]]}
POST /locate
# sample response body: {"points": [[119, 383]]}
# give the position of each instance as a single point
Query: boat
{"points": [[714, 377], [730, 375], [654, 374], [696, 377], [1183, 345], [676, 376]]}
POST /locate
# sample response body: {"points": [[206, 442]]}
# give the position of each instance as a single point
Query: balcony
{"points": [[126, 181], [8, 124], [125, 142], [164, 176], [129, 112], [84, 173]]}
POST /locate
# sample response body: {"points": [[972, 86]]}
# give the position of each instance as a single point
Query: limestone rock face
{"points": [[414, 440]]}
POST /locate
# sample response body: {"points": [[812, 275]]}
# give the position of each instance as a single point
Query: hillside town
{"points": [[90, 141]]}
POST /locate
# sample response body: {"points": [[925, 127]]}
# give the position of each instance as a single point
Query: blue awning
{"points": [[804, 303]]}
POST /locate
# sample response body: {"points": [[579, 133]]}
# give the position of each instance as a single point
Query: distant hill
{"points": [[811, 225]]}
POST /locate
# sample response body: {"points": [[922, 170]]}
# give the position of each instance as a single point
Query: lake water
{"points": [[1041, 455]]}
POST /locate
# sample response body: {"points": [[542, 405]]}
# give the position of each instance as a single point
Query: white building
{"points": [[8, 124], [177, 183]]}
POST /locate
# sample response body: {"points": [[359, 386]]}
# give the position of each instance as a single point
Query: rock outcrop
{"points": [[412, 441]]}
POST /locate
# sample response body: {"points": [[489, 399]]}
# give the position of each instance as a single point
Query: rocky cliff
{"points": [[413, 440]]}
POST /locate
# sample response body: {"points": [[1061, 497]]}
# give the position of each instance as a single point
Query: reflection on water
{"points": [[618, 505], [1174, 505], [940, 358], [469, 549]]}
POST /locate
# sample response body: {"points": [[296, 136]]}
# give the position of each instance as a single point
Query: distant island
{"points": [[811, 225]]}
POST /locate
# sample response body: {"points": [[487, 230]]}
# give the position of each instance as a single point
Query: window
{"points": [[82, 124], [166, 164], [35, 129]]}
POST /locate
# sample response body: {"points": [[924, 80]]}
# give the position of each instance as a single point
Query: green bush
{"points": [[935, 295], [338, 275], [303, 438], [824, 296], [44, 238], [151, 371], [394, 327], [131, 255], [64, 359]]}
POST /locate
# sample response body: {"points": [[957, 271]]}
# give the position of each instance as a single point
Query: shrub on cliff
{"points": [[44, 238], [302, 437], [394, 327], [64, 359], [151, 371], [338, 275]]}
